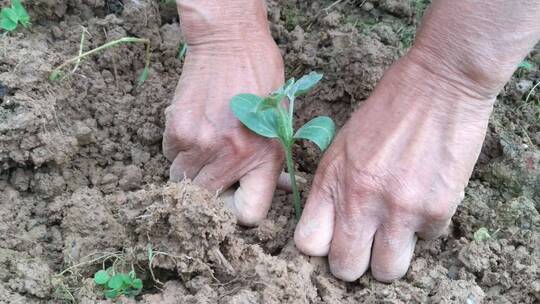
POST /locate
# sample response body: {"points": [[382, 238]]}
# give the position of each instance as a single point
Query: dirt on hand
{"points": [[83, 181]]}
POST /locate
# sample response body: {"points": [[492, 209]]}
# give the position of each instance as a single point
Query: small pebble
{"points": [[524, 85]]}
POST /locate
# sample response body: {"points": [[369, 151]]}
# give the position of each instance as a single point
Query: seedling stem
{"points": [[268, 117]]}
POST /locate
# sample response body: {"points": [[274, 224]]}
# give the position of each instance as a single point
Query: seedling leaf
{"points": [[21, 12], [116, 282], [101, 277], [9, 19], [304, 84], [183, 51], [283, 89], [264, 123], [111, 294], [270, 102], [56, 75], [137, 284], [320, 130], [526, 65], [7, 25], [143, 77], [481, 235]]}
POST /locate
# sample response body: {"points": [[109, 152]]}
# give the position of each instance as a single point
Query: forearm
{"points": [[477, 44], [232, 22]]}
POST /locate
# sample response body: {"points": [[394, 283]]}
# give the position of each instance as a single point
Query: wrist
{"points": [[475, 77], [415, 87], [224, 23]]}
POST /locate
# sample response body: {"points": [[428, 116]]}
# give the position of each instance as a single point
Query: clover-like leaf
{"points": [[481, 235], [304, 85], [101, 277], [9, 19], [111, 293], [137, 283], [320, 130], [116, 282], [21, 12], [526, 65], [264, 123]]}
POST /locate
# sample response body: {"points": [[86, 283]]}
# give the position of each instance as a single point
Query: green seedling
{"points": [[115, 284], [182, 51], [481, 235], [271, 117], [59, 74], [526, 65], [11, 17]]}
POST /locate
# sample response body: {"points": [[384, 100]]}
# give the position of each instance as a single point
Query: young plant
{"points": [[116, 284], [526, 65], [270, 117], [58, 73], [10, 17]]}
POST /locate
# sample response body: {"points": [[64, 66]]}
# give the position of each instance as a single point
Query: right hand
{"points": [[202, 138]]}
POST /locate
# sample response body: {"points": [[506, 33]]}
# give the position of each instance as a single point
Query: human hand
{"points": [[202, 138], [397, 169]]}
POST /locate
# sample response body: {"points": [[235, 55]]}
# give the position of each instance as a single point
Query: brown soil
{"points": [[82, 175]]}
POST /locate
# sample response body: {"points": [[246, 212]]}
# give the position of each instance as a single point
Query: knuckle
{"points": [[367, 182], [403, 199], [439, 212], [176, 129]]}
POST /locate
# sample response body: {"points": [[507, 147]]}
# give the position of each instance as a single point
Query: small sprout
{"points": [[10, 17], [526, 65], [183, 51], [269, 117], [101, 277], [143, 77], [482, 235], [58, 74], [118, 284]]}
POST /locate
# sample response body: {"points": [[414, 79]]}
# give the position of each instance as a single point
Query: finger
{"points": [[184, 166], [393, 249], [254, 195], [171, 144], [437, 219], [350, 250], [228, 198], [433, 229], [314, 231], [170, 148], [217, 176], [284, 181]]}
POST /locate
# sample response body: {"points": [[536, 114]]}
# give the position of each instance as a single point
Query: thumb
{"points": [[253, 197]]}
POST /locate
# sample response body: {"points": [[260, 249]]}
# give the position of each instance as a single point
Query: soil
{"points": [[83, 182]]}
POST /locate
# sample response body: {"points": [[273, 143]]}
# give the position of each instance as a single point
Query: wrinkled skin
{"points": [[202, 138], [398, 168], [395, 171]]}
